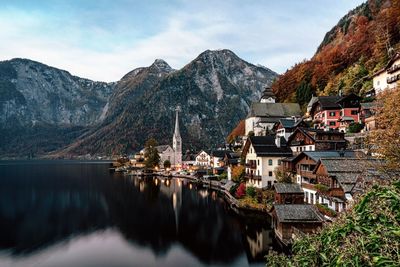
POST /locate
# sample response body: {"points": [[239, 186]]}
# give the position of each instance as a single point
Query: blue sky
{"points": [[103, 40]]}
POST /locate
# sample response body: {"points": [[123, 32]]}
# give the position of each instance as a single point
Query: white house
{"points": [[203, 159], [263, 155], [264, 114], [388, 76]]}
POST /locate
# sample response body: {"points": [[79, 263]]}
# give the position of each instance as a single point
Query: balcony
{"points": [[393, 78], [251, 165], [393, 68], [253, 177], [308, 174]]}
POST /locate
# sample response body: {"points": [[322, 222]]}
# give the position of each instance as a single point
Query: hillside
{"points": [[351, 51], [214, 92]]}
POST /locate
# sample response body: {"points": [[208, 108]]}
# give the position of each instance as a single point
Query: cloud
{"points": [[104, 46]]}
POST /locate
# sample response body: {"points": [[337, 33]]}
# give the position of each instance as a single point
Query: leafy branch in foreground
{"points": [[367, 235]]}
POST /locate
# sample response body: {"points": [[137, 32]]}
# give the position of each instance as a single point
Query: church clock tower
{"points": [[177, 142]]}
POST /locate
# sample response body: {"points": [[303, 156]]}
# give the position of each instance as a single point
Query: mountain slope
{"points": [[44, 108], [214, 92], [351, 51]]}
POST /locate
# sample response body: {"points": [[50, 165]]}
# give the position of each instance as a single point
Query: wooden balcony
{"points": [[308, 174], [309, 186], [251, 166]]}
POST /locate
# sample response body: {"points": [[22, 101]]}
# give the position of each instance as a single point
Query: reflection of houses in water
{"points": [[260, 242], [173, 190]]}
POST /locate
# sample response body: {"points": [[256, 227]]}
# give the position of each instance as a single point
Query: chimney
{"points": [[278, 141]]}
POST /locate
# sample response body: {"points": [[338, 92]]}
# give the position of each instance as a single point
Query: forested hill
{"points": [[351, 51]]}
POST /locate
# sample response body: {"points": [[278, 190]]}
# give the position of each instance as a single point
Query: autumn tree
{"points": [[151, 156], [385, 140], [283, 175], [238, 173]]}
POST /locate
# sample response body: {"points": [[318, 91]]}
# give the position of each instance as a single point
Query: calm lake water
{"points": [[66, 213]]}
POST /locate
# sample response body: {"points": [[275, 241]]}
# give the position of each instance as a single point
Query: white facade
{"points": [[387, 78], [299, 149], [203, 159], [265, 169], [254, 124]]}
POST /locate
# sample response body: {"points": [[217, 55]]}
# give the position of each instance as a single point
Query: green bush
{"points": [[233, 189], [325, 210], [321, 187], [251, 191], [355, 127]]}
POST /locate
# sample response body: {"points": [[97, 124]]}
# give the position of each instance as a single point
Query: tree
{"points": [[151, 156], [167, 164], [385, 140], [283, 175], [238, 173]]}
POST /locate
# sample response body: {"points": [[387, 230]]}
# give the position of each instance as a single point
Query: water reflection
{"points": [[45, 206]]}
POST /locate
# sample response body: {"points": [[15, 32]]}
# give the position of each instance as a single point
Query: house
{"points": [[289, 218], [388, 76], [262, 155], [285, 127], [306, 139], [217, 160], [367, 115], [265, 113], [334, 112], [288, 194], [336, 178], [304, 164], [203, 159], [231, 160], [188, 160]]}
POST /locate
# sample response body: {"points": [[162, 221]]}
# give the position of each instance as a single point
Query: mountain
{"points": [[43, 108], [213, 91], [361, 43]]}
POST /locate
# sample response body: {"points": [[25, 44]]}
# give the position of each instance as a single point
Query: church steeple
{"points": [[268, 96], [177, 141]]}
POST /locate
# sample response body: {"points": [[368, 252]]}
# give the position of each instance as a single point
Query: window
{"points": [[258, 162], [354, 112], [270, 173], [301, 149], [332, 114], [270, 162], [310, 148], [332, 123], [341, 113], [279, 162]]}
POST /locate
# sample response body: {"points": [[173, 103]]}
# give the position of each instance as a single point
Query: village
{"points": [[303, 168]]}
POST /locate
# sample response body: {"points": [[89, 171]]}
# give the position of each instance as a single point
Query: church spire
{"points": [[177, 132]]}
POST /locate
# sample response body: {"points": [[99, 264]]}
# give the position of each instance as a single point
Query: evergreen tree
{"points": [[151, 156]]}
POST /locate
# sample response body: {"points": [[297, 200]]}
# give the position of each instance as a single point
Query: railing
{"points": [[251, 166], [393, 78], [308, 186], [308, 174], [393, 68], [254, 177]]}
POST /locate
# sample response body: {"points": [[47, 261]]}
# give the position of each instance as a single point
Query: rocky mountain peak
{"points": [[162, 65]]}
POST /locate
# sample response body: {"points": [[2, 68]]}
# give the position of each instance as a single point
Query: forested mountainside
{"points": [[214, 93], [360, 44]]}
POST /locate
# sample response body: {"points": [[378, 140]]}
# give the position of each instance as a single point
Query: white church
{"points": [[172, 154]]}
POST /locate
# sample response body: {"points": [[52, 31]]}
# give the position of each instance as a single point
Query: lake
{"points": [[70, 213]]}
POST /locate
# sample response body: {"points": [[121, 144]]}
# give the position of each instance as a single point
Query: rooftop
{"points": [[282, 188], [278, 110], [297, 213]]}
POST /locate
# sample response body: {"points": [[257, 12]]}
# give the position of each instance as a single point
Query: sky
{"points": [[103, 40]]}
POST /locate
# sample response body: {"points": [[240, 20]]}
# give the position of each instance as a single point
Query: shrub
{"points": [[241, 191], [321, 187], [325, 210], [251, 191], [355, 127], [233, 189]]}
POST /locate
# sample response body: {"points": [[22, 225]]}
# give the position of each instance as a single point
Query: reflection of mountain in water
{"points": [[41, 205]]}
